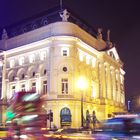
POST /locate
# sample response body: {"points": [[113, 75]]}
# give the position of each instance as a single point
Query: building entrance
{"points": [[65, 117]]}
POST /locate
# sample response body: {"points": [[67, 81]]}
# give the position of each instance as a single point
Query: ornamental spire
{"points": [[4, 34], [108, 35], [109, 43], [99, 34]]}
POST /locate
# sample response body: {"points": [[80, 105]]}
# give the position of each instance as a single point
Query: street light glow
{"points": [[81, 83]]}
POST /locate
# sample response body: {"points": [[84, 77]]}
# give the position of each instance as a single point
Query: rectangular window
{"points": [[32, 58], [42, 55], [13, 89], [12, 63], [34, 86], [64, 51], [87, 60], [45, 87], [81, 57], [23, 87], [21, 61], [64, 83]]}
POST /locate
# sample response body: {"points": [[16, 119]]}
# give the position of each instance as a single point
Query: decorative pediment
{"points": [[113, 53]]}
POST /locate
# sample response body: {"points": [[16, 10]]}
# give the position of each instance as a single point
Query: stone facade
{"points": [[51, 59]]}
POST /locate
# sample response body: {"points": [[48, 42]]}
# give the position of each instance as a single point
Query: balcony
{"points": [[65, 96]]}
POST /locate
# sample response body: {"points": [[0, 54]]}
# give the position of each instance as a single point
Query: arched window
{"points": [[65, 116]]}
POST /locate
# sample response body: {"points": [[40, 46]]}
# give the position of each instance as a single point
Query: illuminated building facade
{"points": [[51, 59]]}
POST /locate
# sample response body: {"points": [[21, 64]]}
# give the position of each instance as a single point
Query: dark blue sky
{"points": [[120, 16]]}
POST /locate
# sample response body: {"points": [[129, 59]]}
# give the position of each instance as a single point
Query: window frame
{"points": [[65, 52], [64, 86], [32, 58], [23, 88], [33, 87], [12, 63], [43, 55], [45, 86], [21, 60]]}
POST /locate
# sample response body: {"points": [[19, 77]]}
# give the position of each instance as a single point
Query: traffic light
{"points": [[51, 116], [48, 116], [10, 115]]}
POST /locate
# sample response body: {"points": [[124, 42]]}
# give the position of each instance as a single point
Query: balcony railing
{"points": [[65, 96]]}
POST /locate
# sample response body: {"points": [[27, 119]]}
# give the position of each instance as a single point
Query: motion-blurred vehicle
{"points": [[120, 128], [72, 133]]}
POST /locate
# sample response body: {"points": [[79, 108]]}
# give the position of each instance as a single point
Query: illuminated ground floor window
{"points": [[65, 117]]}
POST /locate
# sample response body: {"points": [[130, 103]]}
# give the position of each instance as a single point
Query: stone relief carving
{"points": [[64, 15], [99, 34]]}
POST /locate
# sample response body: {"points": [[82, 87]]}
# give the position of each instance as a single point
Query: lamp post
{"points": [[81, 84], [82, 122]]}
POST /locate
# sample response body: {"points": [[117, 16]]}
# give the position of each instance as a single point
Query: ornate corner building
{"points": [[49, 54]]}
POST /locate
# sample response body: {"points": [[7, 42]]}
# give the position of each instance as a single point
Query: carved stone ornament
{"points": [[99, 34], [64, 15], [4, 35]]}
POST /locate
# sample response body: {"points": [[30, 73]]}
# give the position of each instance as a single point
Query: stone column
{"points": [[7, 88], [107, 81], [119, 86], [38, 83], [113, 84], [27, 83], [100, 79], [51, 86], [17, 84], [103, 81]]}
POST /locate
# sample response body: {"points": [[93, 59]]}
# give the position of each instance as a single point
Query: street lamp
{"points": [[81, 84]]}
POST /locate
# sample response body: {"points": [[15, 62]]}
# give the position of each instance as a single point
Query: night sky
{"points": [[122, 17]]}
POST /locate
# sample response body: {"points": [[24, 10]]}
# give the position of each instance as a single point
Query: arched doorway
{"points": [[65, 117]]}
